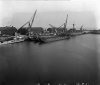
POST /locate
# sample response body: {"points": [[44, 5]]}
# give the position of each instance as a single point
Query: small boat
{"points": [[2, 43], [12, 41]]}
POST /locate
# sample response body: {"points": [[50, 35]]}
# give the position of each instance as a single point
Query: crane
{"points": [[52, 26], [81, 28], [33, 18], [30, 21], [56, 27], [65, 24], [24, 24]]}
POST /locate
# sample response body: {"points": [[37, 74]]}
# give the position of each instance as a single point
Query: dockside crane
{"points": [[65, 24], [24, 24], [32, 20], [60, 26], [52, 26], [56, 27], [61, 29], [81, 28], [29, 23]]}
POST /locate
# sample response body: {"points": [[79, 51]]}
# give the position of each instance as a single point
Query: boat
{"points": [[76, 33], [52, 39], [15, 40], [2, 43]]}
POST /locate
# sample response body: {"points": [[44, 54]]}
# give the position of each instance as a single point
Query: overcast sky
{"points": [[81, 12]]}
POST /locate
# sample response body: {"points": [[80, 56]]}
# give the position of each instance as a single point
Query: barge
{"points": [[54, 39], [49, 39]]}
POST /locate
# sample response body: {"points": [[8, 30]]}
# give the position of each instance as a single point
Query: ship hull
{"points": [[54, 39]]}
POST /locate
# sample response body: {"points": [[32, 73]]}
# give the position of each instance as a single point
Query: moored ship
{"points": [[46, 39], [52, 39]]}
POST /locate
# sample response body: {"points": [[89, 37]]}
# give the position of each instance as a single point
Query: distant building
{"points": [[8, 30], [51, 30], [24, 30], [56, 30], [60, 30], [37, 30]]}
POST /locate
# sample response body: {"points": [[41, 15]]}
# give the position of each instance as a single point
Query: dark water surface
{"points": [[28, 63]]}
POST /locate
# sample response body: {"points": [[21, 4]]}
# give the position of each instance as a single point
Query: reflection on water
{"points": [[74, 60]]}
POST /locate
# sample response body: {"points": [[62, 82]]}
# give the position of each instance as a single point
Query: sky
{"points": [[80, 12]]}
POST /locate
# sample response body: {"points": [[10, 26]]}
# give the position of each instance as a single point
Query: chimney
{"points": [[73, 26]]}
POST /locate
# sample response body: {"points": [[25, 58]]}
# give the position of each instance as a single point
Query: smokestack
{"points": [[73, 26]]}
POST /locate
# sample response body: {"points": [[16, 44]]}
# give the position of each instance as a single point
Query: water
{"points": [[73, 60]]}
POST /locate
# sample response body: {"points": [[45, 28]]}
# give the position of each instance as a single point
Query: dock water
{"points": [[67, 61]]}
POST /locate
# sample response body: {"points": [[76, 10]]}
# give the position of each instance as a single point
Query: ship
{"points": [[49, 38], [52, 39]]}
